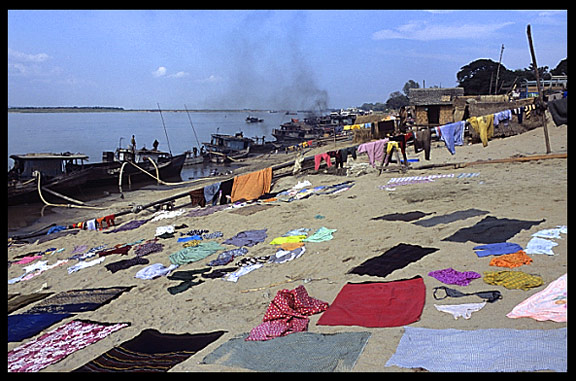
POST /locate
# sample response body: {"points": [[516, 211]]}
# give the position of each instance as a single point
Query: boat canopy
{"points": [[49, 164]]}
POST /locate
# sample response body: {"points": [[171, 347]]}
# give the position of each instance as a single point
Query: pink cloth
{"points": [[548, 304], [287, 313], [55, 345], [318, 159], [26, 260], [374, 150]]}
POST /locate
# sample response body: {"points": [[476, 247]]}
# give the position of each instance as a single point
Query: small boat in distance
{"points": [[253, 119]]}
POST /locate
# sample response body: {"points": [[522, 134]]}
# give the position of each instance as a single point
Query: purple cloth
{"points": [[128, 226], [247, 238], [451, 276]]}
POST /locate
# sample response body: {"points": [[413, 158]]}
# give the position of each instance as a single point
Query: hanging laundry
{"points": [[251, 185], [452, 134], [484, 126], [422, 139], [318, 160], [374, 150], [502, 117], [460, 310]]}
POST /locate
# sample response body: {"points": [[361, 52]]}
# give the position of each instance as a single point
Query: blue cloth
{"points": [[194, 237], [497, 249], [453, 135], [56, 229], [482, 350], [23, 326], [210, 192]]}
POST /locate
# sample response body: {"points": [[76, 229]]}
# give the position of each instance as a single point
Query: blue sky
{"points": [[281, 59]]}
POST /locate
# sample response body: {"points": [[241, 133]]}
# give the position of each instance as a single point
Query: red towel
{"points": [[377, 304]]}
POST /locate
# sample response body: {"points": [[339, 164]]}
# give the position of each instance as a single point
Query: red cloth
{"points": [[377, 304], [318, 160], [287, 313]]}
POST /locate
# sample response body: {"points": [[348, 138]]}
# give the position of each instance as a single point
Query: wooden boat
{"points": [[223, 148], [297, 131], [157, 163], [59, 173]]}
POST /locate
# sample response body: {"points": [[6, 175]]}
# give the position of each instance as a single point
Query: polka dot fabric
{"points": [[287, 313]]}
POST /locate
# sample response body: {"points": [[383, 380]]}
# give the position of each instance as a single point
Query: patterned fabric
{"points": [[78, 300], [55, 345], [287, 313], [150, 351], [548, 304], [451, 276], [513, 279]]}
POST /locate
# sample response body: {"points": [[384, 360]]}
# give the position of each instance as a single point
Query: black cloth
{"points": [[451, 217], [559, 111], [408, 216], [151, 351], [126, 263], [492, 230], [226, 188], [395, 258], [422, 142]]}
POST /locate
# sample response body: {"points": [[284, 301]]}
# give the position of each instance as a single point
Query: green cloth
{"points": [[195, 253], [321, 235]]}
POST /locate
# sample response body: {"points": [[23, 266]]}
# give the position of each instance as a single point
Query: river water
{"points": [[92, 133]]}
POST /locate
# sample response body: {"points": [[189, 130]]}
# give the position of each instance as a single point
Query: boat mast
{"points": [[193, 129], [163, 124]]}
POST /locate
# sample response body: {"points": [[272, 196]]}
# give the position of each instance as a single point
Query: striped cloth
{"points": [[482, 350]]}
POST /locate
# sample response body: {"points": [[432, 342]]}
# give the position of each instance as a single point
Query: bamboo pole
{"points": [[540, 95]]}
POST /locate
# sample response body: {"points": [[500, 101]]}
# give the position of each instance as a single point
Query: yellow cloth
{"points": [[390, 146], [290, 238], [251, 185], [513, 279], [484, 126]]}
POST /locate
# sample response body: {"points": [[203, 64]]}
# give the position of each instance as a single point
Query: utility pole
{"points": [[498, 70], [546, 138]]}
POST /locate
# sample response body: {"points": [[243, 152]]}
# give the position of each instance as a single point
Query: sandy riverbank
{"points": [[531, 190]]}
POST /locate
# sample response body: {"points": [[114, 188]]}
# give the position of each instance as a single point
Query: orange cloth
{"points": [[252, 185], [289, 246], [516, 259]]}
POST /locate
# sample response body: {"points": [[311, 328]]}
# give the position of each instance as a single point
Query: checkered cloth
{"points": [[513, 279]]}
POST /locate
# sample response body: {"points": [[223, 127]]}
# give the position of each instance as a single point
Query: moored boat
{"points": [[223, 147]]}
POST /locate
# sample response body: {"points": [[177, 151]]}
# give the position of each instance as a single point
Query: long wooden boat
{"points": [[59, 173]]}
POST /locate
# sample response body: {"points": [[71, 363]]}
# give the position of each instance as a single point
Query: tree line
{"points": [[477, 78]]}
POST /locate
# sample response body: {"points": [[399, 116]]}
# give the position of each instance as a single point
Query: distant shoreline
{"points": [[120, 109]]}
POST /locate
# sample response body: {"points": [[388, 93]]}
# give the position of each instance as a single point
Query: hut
{"points": [[433, 106]]}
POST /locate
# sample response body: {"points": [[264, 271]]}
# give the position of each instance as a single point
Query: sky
{"points": [[260, 59]]}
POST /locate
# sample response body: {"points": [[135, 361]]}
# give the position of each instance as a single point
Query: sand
{"points": [[532, 190]]}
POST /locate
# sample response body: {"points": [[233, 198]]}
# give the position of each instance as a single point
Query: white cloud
{"points": [[423, 31], [160, 72], [15, 55], [180, 74], [210, 79]]}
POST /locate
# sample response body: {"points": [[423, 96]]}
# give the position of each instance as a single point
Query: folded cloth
{"points": [[548, 304], [377, 304], [482, 350], [496, 249], [287, 313]]}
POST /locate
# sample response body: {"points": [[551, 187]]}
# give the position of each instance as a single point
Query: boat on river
{"points": [[223, 148], [68, 174]]}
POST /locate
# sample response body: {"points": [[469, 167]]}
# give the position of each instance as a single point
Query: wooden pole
{"points": [[540, 95]]}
